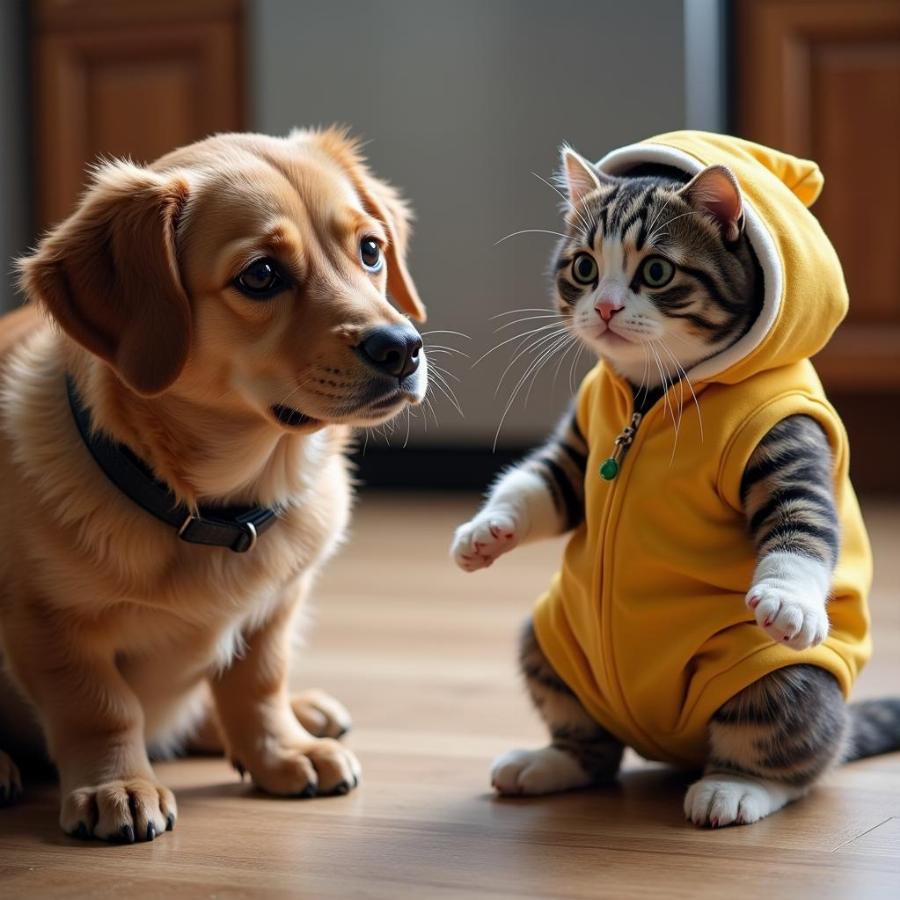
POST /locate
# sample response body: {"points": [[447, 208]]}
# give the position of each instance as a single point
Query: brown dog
{"points": [[223, 318]]}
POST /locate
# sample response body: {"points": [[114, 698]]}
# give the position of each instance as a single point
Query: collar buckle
{"points": [[192, 528], [247, 540]]}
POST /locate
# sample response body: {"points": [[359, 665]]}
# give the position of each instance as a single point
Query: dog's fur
{"points": [[114, 633]]}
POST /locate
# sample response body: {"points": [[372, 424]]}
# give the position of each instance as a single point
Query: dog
{"points": [[176, 400]]}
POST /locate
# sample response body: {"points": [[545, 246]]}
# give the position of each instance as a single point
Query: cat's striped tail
{"points": [[874, 728]]}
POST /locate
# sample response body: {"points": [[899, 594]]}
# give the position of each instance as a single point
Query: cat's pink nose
{"points": [[607, 308]]}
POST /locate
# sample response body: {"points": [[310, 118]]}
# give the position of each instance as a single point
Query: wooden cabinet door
{"points": [[132, 78], [821, 79]]}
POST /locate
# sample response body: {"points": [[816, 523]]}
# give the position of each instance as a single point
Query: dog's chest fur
{"points": [[132, 584]]}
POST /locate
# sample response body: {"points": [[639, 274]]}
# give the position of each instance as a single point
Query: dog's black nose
{"points": [[392, 349]]}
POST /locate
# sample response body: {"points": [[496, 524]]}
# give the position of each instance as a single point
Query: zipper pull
{"points": [[609, 468]]}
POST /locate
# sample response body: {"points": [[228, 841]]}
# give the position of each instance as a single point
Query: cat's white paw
{"points": [[480, 541], [787, 616], [788, 598], [531, 772], [719, 800]]}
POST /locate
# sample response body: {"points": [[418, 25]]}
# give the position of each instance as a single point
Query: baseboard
{"points": [[446, 468]]}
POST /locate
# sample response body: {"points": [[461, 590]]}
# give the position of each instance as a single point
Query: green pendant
{"points": [[609, 469]]}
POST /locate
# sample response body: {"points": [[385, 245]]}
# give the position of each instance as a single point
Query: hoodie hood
{"points": [[805, 297]]}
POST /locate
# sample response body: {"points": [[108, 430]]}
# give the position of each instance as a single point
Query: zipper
{"points": [[610, 467], [609, 470]]}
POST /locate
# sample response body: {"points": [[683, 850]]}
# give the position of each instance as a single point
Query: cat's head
{"points": [[655, 272]]}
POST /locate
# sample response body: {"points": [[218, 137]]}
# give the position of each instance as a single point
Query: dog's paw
{"points": [[125, 811], [480, 541], [319, 767], [532, 772], [320, 714], [10, 781], [719, 800]]}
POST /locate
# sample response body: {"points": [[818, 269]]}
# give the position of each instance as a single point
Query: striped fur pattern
{"points": [[561, 463], [787, 495], [683, 284], [789, 727]]}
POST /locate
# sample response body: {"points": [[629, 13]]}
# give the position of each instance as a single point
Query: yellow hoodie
{"points": [[646, 620]]}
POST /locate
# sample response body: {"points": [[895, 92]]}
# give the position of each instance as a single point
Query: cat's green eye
{"points": [[657, 272], [584, 268]]}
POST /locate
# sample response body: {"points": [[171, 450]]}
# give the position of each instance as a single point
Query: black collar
{"points": [[234, 527]]}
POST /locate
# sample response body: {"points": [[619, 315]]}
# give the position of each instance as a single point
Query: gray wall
{"points": [[462, 101], [14, 130]]}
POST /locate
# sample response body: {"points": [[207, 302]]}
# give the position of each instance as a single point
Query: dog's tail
{"points": [[874, 728]]}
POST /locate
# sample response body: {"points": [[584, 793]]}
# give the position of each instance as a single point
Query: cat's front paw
{"points": [[479, 542], [788, 614]]}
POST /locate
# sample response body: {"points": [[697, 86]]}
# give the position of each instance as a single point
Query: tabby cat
{"points": [[658, 276]]}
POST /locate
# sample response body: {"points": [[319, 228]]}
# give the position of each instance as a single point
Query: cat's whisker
{"points": [[572, 343], [671, 385], [528, 319], [511, 339], [532, 231], [685, 378], [522, 350], [573, 367], [531, 367], [546, 356], [524, 309], [642, 387], [670, 409]]}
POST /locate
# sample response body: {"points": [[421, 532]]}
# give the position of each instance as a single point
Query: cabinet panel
{"points": [[128, 85], [821, 79]]}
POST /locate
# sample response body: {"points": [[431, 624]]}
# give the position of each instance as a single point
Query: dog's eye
{"points": [[260, 280], [370, 254]]}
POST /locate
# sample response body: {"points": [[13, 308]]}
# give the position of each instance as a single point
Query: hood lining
{"points": [[761, 240]]}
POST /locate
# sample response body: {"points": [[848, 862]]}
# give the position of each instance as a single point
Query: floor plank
{"points": [[424, 657]]}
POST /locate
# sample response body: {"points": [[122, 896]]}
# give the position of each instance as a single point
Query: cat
{"points": [[659, 275]]}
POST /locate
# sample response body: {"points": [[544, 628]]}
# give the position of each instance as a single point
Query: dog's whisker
{"points": [[445, 331]]}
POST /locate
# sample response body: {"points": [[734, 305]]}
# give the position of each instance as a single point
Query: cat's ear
{"points": [[715, 192], [578, 176]]}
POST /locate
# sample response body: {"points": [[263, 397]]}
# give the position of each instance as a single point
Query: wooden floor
{"points": [[423, 656]]}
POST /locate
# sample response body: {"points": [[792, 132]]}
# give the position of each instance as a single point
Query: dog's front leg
{"points": [[261, 731], [94, 728]]}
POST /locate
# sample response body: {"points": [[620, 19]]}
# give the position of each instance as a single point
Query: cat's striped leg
{"points": [[540, 497], [789, 503], [581, 753], [768, 745]]}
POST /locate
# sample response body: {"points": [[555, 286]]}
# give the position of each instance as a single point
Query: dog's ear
{"points": [[385, 204], [109, 276], [382, 201]]}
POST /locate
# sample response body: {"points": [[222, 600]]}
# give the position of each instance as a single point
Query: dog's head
{"points": [[246, 273]]}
